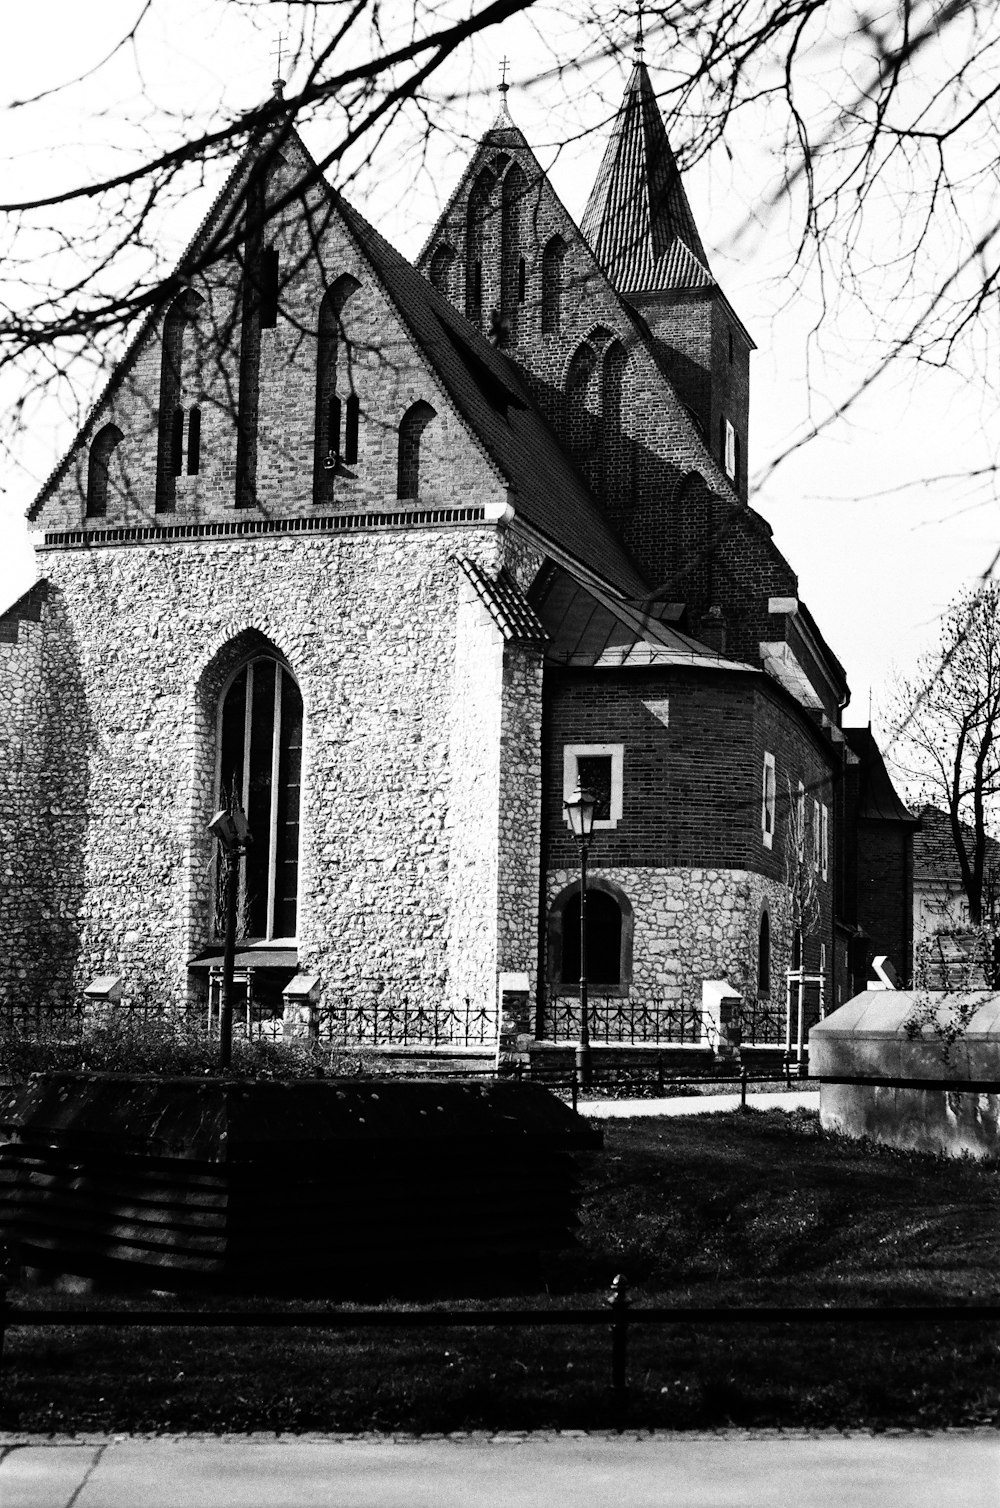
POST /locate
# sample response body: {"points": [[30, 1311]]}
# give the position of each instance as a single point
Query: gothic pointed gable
{"points": [[638, 220]]}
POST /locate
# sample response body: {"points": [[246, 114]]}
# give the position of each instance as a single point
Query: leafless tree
{"points": [[886, 114], [950, 744]]}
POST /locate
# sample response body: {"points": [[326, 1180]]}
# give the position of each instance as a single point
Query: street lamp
{"points": [[580, 810], [232, 829]]}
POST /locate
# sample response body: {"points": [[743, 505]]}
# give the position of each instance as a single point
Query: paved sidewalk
{"points": [[731, 1470], [700, 1104]]}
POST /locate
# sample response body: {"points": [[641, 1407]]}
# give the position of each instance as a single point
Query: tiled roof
{"points": [[506, 604], [546, 490], [934, 856], [638, 220]]}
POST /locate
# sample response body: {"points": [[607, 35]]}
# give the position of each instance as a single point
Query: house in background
{"points": [[939, 899], [400, 553], [875, 872]]}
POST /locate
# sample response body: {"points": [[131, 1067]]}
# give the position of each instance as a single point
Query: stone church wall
{"points": [[136, 646], [46, 737], [690, 925]]}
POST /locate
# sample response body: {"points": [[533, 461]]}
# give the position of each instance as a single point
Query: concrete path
{"points": [[700, 1104], [563, 1470]]}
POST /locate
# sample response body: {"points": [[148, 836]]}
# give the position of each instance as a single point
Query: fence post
{"points": [[743, 1089], [619, 1304], [6, 1309]]}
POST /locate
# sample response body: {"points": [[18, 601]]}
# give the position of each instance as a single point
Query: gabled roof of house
{"points": [[934, 856], [878, 800], [638, 220]]}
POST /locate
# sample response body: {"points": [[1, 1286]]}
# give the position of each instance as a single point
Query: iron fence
{"points": [[403, 1020], [623, 1020]]}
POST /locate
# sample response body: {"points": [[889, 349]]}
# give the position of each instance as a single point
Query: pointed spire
{"points": [[504, 124], [638, 219]]}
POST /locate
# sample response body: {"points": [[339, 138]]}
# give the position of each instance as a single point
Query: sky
{"points": [[878, 548]]}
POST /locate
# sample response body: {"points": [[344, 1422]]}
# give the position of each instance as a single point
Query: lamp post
{"points": [[580, 810], [232, 829]]}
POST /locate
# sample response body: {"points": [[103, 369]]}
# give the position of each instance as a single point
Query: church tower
{"points": [[639, 224]]}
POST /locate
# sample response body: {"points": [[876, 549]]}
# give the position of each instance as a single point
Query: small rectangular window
{"points": [[351, 430], [825, 843], [268, 288], [729, 450], [194, 442], [767, 801], [817, 851], [595, 776], [177, 442], [599, 769]]}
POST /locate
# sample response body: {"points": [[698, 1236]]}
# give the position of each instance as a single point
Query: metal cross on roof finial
{"points": [[279, 83], [503, 85], [640, 45]]}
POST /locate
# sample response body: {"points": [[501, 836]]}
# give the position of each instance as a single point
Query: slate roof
{"points": [[934, 856], [877, 797], [638, 220]]}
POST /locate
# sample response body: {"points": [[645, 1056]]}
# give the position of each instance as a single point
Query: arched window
{"points": [[764, 955], [581, 405], [336, 421], [610, 926], [478, 229], [443, 269], [615, 450], [101, 449], [176, 375], [411, 428], [552, 285], [511, 261], [260, 757], [604, 939]]}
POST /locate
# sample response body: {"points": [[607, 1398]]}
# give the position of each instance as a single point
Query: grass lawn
{"points": [[761, 1208]]}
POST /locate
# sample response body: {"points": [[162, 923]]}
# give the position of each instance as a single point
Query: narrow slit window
{"points": [[333, 430], [177, 443], [351, 429], [521, 281], [194, 442], [269, 271]]}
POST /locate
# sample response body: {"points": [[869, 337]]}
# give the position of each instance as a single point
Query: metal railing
{"points": [[403, 1019], [617, 1313], [621, 1020]]}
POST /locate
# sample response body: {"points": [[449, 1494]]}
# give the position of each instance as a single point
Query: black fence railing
{"points": [[617, 1313], [403, 1020], [618, 1020]]}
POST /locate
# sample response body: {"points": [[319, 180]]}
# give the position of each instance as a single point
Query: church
{"points": [[398, 556]]}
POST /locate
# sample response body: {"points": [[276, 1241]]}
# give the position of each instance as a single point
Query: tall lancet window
{"points": [[511, 262], [101, 450], [260, 756], [582, 402], [480, 232], [411, 429], [616, 478], [177, 375], [337, 406], [553, 259]]}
